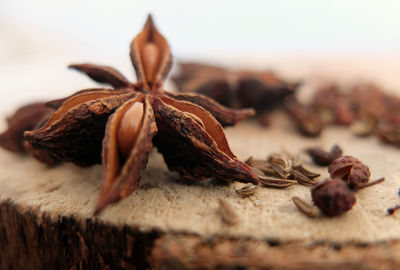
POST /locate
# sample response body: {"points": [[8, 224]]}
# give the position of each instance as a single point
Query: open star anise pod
{"points": [[262, 90], [136, 116]]}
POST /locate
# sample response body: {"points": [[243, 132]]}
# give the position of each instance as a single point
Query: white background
{"points": [[38, 39]]}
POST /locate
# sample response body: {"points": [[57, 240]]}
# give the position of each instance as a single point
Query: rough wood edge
{"points": [[32, 241]]}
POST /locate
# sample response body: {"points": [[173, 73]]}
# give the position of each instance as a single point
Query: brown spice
{"points": [[323, 158], [333, 197], [263, 90], [353, 171], [281, 170], [191, 140], [365, 107], [247, 190], [29, 117], [305, 208], [228, 215], [25, 118], [392, 210], [307, 121]]}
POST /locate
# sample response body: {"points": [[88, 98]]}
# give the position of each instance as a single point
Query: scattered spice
{"points": [[274, 182], [25, 118], [307, 121], [353, 171], [322, 157], [365, 107], [306, 208], [247, 190], [228, 215], [392, 210], [132, 117], [281, 171], [28, 117], [263, 90], [333, 197]]}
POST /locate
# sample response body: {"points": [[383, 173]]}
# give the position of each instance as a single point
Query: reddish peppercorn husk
{"points": [[333, 197]]}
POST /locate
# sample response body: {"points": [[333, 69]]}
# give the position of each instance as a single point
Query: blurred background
{"points": [[38, 39]]}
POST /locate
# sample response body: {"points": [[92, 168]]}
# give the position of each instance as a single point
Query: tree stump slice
{"points": [[46, 214]]}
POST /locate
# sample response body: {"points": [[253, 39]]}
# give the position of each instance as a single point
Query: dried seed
{"points": [[272, 181], [228, 215], [324, 158], [276, 182], [392, 210], [306, 172], [306, 119], [129, 128], [263, 166], [247, 190], [280, 165], [306, 208], [281, 171], [301, 178]]}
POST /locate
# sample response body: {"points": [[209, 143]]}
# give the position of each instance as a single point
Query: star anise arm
{"points": [[126, 147], [103, 74], [57, 103], [75, 131], [150, 56], [224, 115], [193, 143], [25, 118]]}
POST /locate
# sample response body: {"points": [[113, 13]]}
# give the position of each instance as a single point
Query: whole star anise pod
{"points": [[191, 140], [262, 90]]}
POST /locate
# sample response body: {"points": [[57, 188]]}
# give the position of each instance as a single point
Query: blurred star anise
{"points": [[181, 126], [261, 90]]}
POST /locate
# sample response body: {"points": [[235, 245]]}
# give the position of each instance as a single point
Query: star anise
{"points": [[262, 90], [191, 140], [28, 117]]}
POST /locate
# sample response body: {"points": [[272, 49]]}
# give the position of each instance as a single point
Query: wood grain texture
{"points": [[46, 213]]}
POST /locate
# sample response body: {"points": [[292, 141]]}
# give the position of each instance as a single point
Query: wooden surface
{"points": [[177, 222], [166, 202], [170, 205]]}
